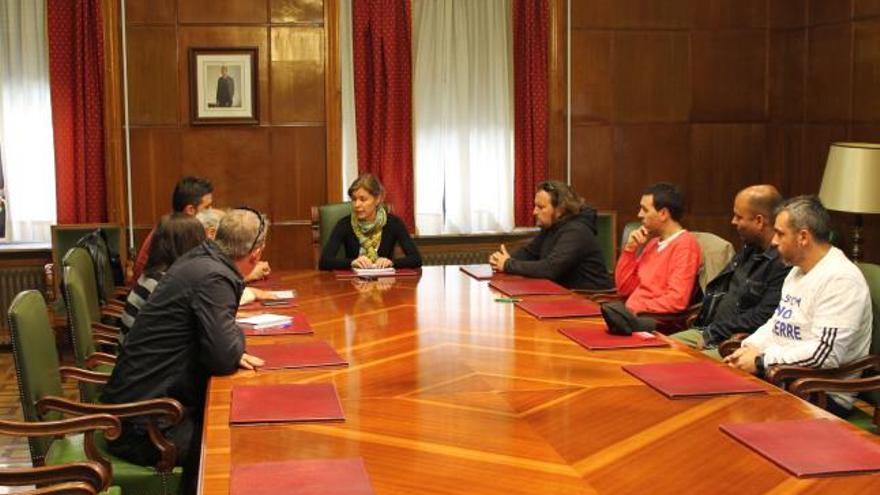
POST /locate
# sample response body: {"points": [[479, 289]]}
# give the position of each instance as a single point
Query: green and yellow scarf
{"points": [[369, 234]]}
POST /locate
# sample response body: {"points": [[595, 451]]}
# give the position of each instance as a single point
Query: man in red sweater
{"points": [[661, 279]]}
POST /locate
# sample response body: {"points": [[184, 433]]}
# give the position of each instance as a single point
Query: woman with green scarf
{"points": [[368, 236]]}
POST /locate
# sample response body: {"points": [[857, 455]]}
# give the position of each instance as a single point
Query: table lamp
{"points": [[851, 184]]}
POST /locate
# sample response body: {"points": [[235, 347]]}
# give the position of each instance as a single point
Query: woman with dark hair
{"points": [[175, 235], [369, 234], [566, 250]]}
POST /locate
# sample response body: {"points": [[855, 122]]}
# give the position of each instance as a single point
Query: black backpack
{"points": [[96, 244]]}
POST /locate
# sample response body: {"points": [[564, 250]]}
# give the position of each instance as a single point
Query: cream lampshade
{"points": [[851, 183]]}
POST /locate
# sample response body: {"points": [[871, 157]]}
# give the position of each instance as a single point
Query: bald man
{"points": [[743, 296]]}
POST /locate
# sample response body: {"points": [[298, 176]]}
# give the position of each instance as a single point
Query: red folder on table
{"points": [[479, 272], [693, 379], [299, 326], [575, 307], [597, 338], [809, 447], [528, 287], [285, 403], [398, 272], [297, 355], [302, 477]]}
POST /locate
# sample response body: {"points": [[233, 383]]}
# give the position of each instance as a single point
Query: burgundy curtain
{"points": [[382, 51], [531, 99], [76, 65]]}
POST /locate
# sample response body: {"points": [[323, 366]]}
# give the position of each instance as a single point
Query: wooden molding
{"points": [[556, 73], [114, 161], [333, 102]]}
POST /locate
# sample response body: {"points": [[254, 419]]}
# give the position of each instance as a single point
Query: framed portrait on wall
{"points": [[223, 86]]}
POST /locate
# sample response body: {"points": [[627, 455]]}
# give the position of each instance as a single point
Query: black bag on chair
{"points": [[621, 321], [96, 244]]}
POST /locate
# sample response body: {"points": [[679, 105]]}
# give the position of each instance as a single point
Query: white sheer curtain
{"points": [[349, 132], [26, 121], [463, 115]]}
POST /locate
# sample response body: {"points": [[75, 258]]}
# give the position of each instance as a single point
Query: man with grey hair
{"points": [[210, 218], [186, 333], [824, 318]]}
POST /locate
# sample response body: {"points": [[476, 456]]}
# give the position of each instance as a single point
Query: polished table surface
{"points": [[450, 392]]}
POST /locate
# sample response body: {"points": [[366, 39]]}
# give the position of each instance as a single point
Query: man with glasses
{"points": [[186, 333]]}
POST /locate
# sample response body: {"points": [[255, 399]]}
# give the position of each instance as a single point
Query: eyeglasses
{"points": [[262, 225]]}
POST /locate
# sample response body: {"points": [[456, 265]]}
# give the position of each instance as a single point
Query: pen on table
{"points": [[508, 299]]}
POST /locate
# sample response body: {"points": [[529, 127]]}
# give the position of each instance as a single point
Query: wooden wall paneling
{"points": [[592, 164], [866, 8], [297, 77], [297, 171], [557, 88], [592, 95], [223, 11], [726, 14], [296, 11], [829, 65], [289, 246], [150, 11], [785, 151], [114, 165], [786, 14], [829, 11], [729, 75], [817, 140], [645, 154], [866, 71], [724, 159], [236, 159], [155, 168], [152, 75], [333, 103], [631, 14], [718, 224], [223, 37], [651, 76], [788, 52]]}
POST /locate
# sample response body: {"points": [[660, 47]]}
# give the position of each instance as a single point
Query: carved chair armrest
{"points": [[730, 345], [169, 411], [121, 292], [104, 340], [81, 375], [75, 477], [111, 311], [105, 328], [114, 305], [815, 390], [49, 279], [83, 423], [97, 358], [783, 373]]}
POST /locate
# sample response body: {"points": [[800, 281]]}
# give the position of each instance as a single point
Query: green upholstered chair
{"points": [[65, 237], [79, 260], [606, 229], [324, 218], [81, 333], [39, 381]]}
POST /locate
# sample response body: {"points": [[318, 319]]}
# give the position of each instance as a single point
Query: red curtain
{"points": [[382, 52], [531, 99], [76, 65]]}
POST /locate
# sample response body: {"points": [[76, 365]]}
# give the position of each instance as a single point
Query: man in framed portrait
{"points": [[225, 87]]}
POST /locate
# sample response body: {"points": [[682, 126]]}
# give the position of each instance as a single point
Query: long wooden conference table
{"points": [[450, 392]]}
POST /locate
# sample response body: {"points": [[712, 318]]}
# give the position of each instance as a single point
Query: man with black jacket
{"points": [[186, 333], [566, 250], [743, 296]]}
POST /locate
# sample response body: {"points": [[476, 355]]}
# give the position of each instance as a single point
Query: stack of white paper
{"points": [[374, 272], [266, 320]]}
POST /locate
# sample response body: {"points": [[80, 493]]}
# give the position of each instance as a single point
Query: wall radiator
{"points": [[12, 281]]}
